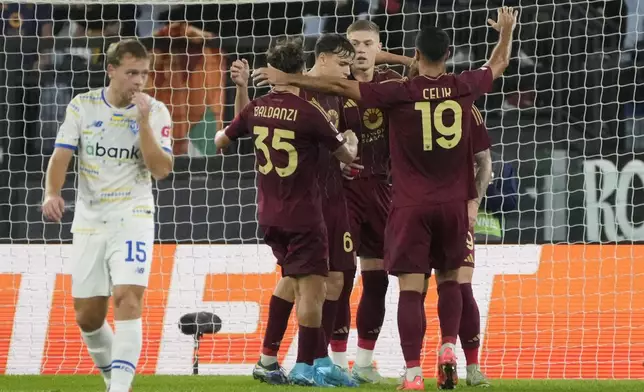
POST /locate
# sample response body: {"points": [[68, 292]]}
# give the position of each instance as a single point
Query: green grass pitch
{"points": [[247, 384]]}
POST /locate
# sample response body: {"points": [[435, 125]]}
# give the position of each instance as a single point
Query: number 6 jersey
{"points": [[429, 134], [287, 131]]}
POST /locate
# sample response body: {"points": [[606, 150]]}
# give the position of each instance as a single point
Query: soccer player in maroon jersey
{"points": [[334, 54], [470, 324], [433, 179], [368, 194], [470, 327], [287, 132]]}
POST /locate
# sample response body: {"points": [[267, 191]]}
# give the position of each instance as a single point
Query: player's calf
{"points": [[450, 307], [409, 324], [279, 312], [96, 332], [371, 309], [470, 329], [128, 337], [334, 284], [342, 322]]}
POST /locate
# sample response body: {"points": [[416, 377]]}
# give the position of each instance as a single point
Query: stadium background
{"points": [[567, 114]]}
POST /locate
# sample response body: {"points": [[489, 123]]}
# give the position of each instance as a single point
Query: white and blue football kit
{"points": [[113, 224]]}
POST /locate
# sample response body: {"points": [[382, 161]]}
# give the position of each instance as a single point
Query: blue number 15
{"points": [[141, 256]]}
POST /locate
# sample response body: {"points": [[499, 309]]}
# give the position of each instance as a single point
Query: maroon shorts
{"points": [[422, 238], [341, 246], [368, 200], [299, 251]]}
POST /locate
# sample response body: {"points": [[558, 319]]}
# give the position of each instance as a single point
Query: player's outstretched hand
{"points": [[240, 72], [269, 76], [53, 207], [142, 103], [506, 19], [351, 170]]}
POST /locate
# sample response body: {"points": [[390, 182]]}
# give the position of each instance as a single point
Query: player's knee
{"points": [[128, 302], [90, 313], [285, 289], [369, 264], [465, 275], [334, 284], [89, 321], [411, 282], [446, 276], [311, 292]]}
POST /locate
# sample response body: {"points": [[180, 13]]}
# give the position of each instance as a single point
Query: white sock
{"points": [[364, 357], [126, 350], [414, 372], [267, 360], [99, 346], [340, 359]]}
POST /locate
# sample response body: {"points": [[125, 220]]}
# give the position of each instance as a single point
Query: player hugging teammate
{"points": [[435, 191], [302, 210]]}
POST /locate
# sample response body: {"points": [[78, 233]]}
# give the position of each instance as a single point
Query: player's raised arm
{"points": [[482, 157], [482, 161], [66, 144], [324, 84], [505, 24], [157, 156], [239, 73]]}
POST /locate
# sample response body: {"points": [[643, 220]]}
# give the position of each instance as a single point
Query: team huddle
{"points": [[353, 161], [345, 118]]}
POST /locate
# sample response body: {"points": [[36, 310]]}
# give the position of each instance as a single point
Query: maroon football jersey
{"points": [[330, 176], [480, 137], [287, 132], [430, 134], [370, 125]]}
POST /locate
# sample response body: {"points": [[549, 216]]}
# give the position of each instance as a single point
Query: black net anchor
{"points": [[197, 324]]}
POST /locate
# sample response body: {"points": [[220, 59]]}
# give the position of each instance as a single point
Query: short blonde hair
{"points": [[118, 50]]}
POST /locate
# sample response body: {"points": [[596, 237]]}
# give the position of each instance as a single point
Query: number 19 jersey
{"points": [[114, 186], [429, 133]]}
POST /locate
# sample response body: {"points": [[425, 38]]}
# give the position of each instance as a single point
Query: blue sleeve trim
{"points": [[67, 146]]}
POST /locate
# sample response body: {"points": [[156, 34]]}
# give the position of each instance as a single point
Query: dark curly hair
{"points": [[287, 55]]}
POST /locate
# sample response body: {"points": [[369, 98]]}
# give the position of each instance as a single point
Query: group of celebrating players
{"points": [[323, 197], [424, 133]]}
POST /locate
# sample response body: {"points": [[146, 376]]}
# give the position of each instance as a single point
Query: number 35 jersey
{"points": [[114, 186], [429, 134], [287, 131]]}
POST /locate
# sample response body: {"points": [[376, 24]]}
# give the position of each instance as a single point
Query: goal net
{"points": [[560, 291]]}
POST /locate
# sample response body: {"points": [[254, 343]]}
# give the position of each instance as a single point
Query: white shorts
{"points": [[103, 260]]}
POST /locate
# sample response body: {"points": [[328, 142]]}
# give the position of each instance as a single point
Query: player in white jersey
{"points": [[122, 138]]}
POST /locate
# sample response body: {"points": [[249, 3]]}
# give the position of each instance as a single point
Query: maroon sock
{"points": [[470, 329], [343, 314], [410, 326], [279, 311], [307, 344], [371, 310], [322, 347], [450, 307], [329, 310]]}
